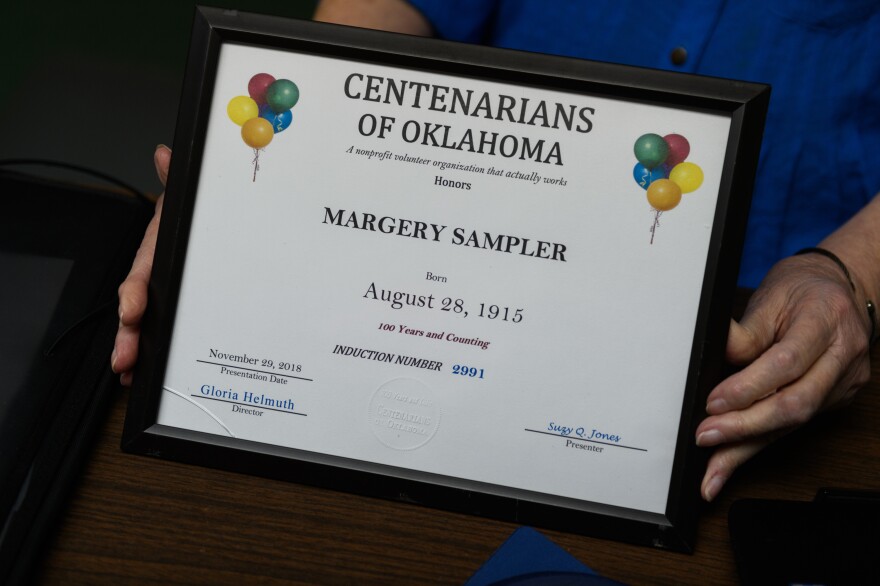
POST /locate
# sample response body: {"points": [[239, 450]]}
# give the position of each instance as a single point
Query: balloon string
{"points": [[655, 224], [256, 163]]}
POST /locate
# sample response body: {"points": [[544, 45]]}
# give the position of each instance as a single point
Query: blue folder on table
{"points": [[527, 558]]}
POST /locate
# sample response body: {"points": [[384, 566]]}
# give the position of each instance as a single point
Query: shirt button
{"points": [[678, 55]]}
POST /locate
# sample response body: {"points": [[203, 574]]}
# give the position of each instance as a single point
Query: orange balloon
{"points": [[664, 195], [257, 132]]}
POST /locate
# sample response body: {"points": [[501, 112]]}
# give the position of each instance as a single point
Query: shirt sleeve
{"points": [[458, 20]]}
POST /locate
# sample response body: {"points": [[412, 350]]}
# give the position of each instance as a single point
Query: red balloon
{"points": [[679, 149], [258, 85]]}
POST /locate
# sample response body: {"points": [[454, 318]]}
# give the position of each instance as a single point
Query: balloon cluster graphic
{"points": [[264, 112], [664, 173]]}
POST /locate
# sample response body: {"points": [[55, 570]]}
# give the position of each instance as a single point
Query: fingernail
{"points": [[713, 487], [709, 438], [161, 146], [113, 360], [716, 406], [121, 313]]}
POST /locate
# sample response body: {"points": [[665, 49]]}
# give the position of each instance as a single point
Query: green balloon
{"points": [[282, 95], [651, 150]]}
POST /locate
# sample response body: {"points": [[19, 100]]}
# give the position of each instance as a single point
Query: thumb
{"points": [[742, 346], [750, 337], [162, 159]]}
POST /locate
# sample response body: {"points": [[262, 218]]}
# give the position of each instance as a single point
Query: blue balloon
{"points": [[278, 121], [644, 176]]}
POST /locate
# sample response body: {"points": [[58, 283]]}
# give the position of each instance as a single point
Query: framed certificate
{"points": [[476, 279]]}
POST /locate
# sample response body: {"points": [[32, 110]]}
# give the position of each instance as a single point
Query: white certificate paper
{"points": [[458, 278]]}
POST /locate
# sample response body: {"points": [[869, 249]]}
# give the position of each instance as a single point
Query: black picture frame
{"points": [[745, 104]]}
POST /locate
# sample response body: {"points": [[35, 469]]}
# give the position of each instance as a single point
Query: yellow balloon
{"points": [[663, 195], [241, 109], [688, 176], [257, 132]]}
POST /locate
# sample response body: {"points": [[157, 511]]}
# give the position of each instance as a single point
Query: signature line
{"points": [[249, 405], [577, 439]]}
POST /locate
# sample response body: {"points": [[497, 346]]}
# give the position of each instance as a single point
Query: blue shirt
{"points": [[822, 58]]}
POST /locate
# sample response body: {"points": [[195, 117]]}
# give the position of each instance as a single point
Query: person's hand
{"points": [[804, 341], [398, 16], [133, 291]]}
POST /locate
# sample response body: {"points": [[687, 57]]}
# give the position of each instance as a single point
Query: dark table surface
{"points": [[134, 519]]}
